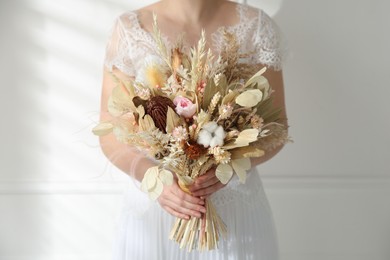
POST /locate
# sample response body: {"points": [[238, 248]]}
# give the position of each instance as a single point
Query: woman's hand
{"points": [[180, 204], [206, 184]]}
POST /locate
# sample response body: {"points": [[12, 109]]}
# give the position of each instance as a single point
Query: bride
{"points": [[144, 224]]}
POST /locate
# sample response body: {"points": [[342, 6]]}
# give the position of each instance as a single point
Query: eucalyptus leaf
{"points": [[263, 84], [103, 129], [254, 79], [241, 166], [166, 177], [230, 97], [156, 192], [224, 173], [249, 98], [149, 180], [243, 139]]}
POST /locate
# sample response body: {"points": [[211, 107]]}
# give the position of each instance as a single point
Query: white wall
{"points": [[329, 190]]}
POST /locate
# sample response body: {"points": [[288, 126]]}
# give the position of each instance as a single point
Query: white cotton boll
{"points": [[220, 133], [211, 135], [204, 138], [210, 126], [213, 142], [219, 141]]}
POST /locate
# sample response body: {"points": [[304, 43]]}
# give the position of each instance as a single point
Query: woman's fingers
{"points": [[204, 180], [180, 202], [175, 213], [210, 174], [186, 197], [197, 186], [204, 192], [184, 207]]}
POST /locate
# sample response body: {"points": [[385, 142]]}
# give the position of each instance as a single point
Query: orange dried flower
{"points": [[194, 150]]}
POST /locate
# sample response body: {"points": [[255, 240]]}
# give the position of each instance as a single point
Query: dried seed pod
{"points": [[157, 108]]}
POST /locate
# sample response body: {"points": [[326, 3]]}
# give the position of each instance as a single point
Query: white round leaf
{"points": [[224, 173], [150, 179], [240, 166], [249, 98], [156, 192], [103, 129], [166, 177]]}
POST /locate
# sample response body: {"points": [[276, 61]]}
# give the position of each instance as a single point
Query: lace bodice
{"points": [[129, 44]]}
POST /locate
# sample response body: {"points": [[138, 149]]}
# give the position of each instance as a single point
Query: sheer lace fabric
{"points": [[130, 43]]}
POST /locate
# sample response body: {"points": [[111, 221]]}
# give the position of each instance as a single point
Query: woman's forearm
{"points": [[125, 157]]}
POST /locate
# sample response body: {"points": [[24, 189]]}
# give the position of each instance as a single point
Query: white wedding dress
{"points": [[143, 228]]}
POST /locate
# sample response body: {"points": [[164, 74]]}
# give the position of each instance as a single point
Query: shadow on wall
{"points": [[22, 118], [23, 113]]}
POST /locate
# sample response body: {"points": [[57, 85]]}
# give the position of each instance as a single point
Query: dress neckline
{"points": [[214, 36]]}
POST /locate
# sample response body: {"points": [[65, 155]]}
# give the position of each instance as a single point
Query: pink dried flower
{"points": [[184, 106], [180, 133]]}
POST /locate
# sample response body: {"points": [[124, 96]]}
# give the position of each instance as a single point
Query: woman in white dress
{"points": [[144, 224]]}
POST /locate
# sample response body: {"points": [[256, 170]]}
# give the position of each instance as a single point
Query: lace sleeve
{"points": [[267, 42], [118, 49]]}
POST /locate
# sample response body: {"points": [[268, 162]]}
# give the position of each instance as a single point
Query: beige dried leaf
{"points": [[240, 166], [243, 139], [224, 173], [249, 98], [264, 86], [230, 97], [246, 152], [150, 179], [141, 111], [254, 79], [146, 123], [121, 101], [166, 177], [103, 129], [156, 192], [114, 109], [172, 120]]}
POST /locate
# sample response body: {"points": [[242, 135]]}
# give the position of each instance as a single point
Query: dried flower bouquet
{"points": [[193, 111]]}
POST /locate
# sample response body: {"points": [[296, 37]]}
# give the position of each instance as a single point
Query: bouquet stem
{"points": [[199, 233]]}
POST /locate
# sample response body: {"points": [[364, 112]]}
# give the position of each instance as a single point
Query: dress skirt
{"points": [[143, 228]]}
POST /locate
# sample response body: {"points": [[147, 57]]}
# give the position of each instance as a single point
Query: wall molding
{"points": [[269, 182]]}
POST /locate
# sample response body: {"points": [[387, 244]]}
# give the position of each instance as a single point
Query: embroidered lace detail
{"points": [[256, 32], [267, 42], [240, 192]]}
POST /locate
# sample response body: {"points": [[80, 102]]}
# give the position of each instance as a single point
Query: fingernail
{"points": [[203, 210], [201, 202], [198, 215]]}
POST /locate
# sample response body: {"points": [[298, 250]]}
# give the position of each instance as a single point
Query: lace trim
{"points": [[267, 42], [255, 31], [241, 29]]}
